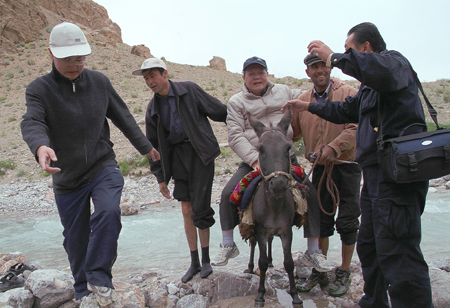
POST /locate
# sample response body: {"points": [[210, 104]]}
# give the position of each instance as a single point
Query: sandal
{"points": [[11, 281], [20, 267]]}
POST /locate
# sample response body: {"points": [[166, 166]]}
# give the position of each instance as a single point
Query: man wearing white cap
{"points": [[66, 128], [177, 124]]}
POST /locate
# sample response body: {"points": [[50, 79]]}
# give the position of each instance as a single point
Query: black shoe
{"points": [[20, 267], [11, 281]]}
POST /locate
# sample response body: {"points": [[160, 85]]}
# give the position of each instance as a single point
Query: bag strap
{"points": [[430, 107]]}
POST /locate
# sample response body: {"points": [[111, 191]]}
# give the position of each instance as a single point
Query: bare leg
{"points": [[324, 243], [189, 228], [191, 236], [204, 237], [347, 253]]}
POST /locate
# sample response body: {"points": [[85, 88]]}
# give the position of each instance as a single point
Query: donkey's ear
{"points": [[285, 120], [257, 126]]}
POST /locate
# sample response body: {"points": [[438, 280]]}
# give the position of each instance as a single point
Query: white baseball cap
{"points": [[67, 40], [149, 64]]}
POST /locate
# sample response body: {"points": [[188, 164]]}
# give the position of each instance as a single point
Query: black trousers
{"points": [[193, 182], [389, 243], [91, 240], [347, 178]]}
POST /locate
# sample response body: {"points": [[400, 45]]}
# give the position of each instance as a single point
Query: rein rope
{"points": [[331, 186]]}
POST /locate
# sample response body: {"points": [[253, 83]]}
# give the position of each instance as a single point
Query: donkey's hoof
{"points": [[259, 304], [297, 305], [248, 271]]}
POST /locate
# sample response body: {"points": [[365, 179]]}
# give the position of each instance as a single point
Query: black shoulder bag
{"points": [[416, 157]]}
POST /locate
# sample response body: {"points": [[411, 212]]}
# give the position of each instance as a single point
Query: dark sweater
{"points": [[70, 117]]}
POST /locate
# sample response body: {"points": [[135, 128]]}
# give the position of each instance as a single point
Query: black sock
{"points": [[194, 269], [206, 266], [205, 255]]}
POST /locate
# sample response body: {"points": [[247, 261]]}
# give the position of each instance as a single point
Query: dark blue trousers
{"points": [[91, 240], [388, 243]]}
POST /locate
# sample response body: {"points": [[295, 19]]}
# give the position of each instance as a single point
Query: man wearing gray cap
{"points": [[66, 128], [263, 100], [177, 124], [333, 141]]}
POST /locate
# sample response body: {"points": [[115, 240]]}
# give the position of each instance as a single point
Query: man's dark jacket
{"points": [[386, 79], [194, 107], [70, 117]]}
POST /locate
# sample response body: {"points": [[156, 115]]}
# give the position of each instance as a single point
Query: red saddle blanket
{"points": [[241, 187]]}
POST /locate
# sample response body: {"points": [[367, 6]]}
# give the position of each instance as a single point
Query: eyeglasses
{"points": [[79, 61]]}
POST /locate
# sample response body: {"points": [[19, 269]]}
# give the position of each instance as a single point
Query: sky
{"points": [[193, 31]]}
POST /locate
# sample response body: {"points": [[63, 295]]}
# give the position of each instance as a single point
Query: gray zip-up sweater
{"points": [[70, 117]]}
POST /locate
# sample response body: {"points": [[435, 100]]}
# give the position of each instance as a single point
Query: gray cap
{"points": [[149, 64], [67, 40], [310, 60]]}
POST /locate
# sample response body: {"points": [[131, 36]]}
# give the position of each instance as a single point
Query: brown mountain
{"points": [[25, 26]]}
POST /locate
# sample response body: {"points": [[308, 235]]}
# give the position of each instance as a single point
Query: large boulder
{"points": [[86, 13], [50, 288], [9, 259], [26, 21], [20, 21], [21, 298], [193, 301], [141, 51], [129, 295], [222, 285], [218, 63], [440, 280]]}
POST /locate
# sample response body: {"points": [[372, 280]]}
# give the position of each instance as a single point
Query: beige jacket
{"points": [[317, 132], [266, 109]]}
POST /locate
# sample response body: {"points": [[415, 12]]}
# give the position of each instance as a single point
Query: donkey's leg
{"points": [[270, 240], [286, 241], [251, 263], [263, 264]]}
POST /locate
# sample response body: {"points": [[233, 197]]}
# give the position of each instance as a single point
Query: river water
{"points": [[155, 238]]}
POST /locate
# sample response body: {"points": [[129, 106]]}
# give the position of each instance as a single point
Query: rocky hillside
{"points": [[25, 27]]}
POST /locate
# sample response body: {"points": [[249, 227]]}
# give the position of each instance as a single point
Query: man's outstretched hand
{"points": [[296, 106], [45, 156]]}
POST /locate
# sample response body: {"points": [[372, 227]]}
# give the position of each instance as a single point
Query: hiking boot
{"points": [[317, 260], [314, 279], [224, 254], [104, 295], [341, 284]]}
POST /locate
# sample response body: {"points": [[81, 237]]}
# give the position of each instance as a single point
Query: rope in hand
{"points": [[331, 186]]}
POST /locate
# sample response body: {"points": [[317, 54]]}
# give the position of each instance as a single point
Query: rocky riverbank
{"points": [[226, 287]]}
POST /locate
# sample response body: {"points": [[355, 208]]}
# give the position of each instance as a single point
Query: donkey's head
{"points": [[273, 147]]}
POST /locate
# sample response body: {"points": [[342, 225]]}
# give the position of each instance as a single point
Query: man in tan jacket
{"points": [[337, 144]]}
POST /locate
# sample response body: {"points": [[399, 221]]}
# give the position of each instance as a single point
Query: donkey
{"points": [[273, 203]]}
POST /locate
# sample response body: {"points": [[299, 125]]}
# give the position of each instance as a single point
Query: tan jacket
{"points": [[267, 108], [317, 132]]}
